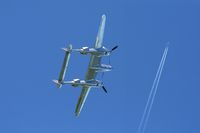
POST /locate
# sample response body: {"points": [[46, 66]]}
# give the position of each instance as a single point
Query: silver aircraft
{"points": [[94, 67]]}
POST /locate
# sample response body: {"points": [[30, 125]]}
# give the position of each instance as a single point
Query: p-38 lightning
{"points": [[95, 66]]}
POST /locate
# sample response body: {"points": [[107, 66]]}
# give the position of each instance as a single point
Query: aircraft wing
{"points": [[84, 93], [99, 39], [91, 73]]}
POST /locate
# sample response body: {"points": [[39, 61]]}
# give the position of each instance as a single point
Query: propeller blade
{"points": [[114, 48], [104, 89]]}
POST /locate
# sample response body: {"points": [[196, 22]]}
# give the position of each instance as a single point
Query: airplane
{"points": [[95, 66]]}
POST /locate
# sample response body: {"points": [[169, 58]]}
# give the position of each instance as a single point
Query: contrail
{"points": [[152, 94], [156, 87]]}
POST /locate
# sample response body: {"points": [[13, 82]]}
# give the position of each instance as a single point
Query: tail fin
{"points": [[58, 84], [68, 49]]}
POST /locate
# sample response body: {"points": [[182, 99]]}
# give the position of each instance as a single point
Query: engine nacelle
{"points": [[76, 80], [84, 50]]}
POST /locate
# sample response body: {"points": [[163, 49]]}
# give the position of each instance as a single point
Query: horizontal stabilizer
{"points": [[58, 84], [66, 50], [65, 63]]}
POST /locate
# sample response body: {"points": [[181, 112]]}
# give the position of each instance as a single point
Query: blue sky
{"points": [[32, 33]]}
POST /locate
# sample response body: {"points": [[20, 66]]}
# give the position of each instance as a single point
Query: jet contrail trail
{"points": [[152, 94], [156, 87]]}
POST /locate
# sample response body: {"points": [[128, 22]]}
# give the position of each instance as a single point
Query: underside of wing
{"points": [[91, 73], [99, 39], [83, 96]]}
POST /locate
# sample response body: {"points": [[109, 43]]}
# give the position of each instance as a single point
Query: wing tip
{"points": [[77, 114], [77, 111]]}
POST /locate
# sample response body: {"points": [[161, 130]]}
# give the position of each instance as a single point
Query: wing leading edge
{"points": [[91, 74], [100, 35]]}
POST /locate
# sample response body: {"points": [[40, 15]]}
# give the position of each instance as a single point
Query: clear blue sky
{"points": [[33, 31]]}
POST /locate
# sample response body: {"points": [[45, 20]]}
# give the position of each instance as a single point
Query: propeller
{"points": [[114, 48], [104, 89], [112, 51], [101, 84]]}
